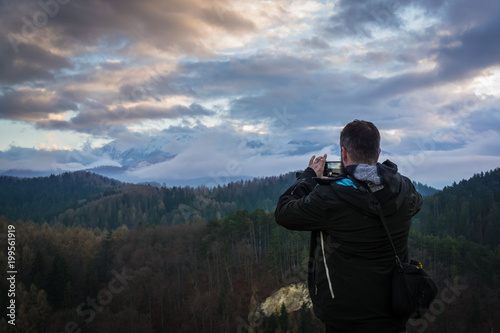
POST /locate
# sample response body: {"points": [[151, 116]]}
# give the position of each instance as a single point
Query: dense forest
{"points": [[205, 269]]}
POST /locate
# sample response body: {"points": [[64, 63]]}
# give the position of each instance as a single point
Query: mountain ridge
{"points": [[77, 198]]}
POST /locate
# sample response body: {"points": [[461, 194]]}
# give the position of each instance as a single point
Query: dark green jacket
{"points": [[351, 260]]}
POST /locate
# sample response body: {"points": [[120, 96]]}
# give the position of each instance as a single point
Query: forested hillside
{"points": [[88, 200], [470, 208], [40, 199]]}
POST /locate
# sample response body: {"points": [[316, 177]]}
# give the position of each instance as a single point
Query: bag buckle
{"points": [[416, 263]]}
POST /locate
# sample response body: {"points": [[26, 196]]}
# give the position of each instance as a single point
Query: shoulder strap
{"points": [[382, 218]]}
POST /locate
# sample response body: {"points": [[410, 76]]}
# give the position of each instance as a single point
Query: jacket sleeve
{"points": [[301, 206], [416, 199], [417, 202]]}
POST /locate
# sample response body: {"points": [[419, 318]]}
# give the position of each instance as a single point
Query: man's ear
{"points": [[343, 154]]}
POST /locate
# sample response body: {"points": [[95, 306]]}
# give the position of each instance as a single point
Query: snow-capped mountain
{"points": [[133, 153], [179, 155]]}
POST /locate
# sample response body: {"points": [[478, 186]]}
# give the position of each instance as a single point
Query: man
{"points": [[351, 259]]}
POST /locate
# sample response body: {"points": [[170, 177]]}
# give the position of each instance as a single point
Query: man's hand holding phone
{"points": [[332, 168], [318, 164]]}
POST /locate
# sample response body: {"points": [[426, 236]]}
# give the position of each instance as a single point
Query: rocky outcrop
{"points": [[293, 296]]}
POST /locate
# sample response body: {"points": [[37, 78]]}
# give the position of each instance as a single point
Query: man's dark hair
{"points": [[362, 140]]}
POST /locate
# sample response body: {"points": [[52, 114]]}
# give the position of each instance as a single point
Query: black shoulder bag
{"points": [[412, 288]]}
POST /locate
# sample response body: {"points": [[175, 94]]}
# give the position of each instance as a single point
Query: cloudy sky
{"points": [[225, 89]]}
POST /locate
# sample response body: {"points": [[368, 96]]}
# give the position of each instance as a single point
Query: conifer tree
{"points": [[58, 279], [283, 318]]}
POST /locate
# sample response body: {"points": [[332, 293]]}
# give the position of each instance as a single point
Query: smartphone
{"points": [[332, 168]]}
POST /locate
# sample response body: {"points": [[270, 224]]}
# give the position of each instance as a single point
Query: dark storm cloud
{"points": [[137, 114], [178, 25], [269, 88], [17, 153], [32, 105], [255, 73], [473, 43], [476, 49], [220, 14], [375, 58], [388, 59], [60, 125], [353, 18], [314, 43], [484, 120], [460, 14], [92, 120], [252, 76], [30, 63], [458, 57]]}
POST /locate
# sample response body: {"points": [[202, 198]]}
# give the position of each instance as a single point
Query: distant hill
{"points": [[89, 200], [41, 198]]}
